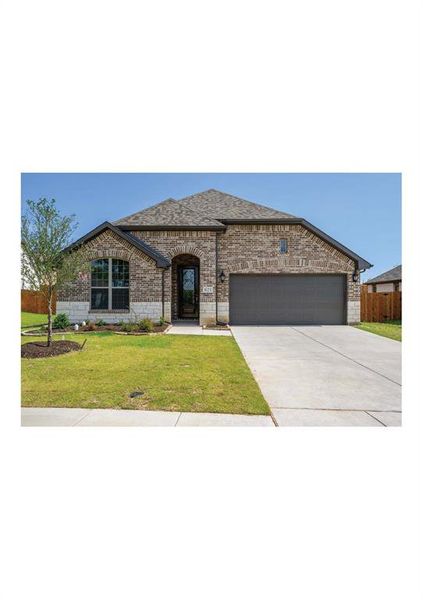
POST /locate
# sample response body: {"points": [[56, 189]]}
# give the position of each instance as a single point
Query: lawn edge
{"points": [[378, 333]]}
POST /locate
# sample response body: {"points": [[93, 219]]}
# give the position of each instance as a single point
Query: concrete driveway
{"points": [[325, 375]]}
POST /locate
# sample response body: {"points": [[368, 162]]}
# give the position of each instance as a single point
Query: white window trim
{"points": [[108, 287]]}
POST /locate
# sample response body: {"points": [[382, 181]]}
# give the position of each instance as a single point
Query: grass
{"points": [[32, 319], [389, 329], [175, 372]]}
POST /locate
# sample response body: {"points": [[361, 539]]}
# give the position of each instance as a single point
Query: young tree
{"points": [[45, 267]]}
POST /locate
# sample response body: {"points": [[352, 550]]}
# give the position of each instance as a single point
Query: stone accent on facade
{"points": [[146, 310], [76, 311], [353, 312], [223, 312], [80, 311], [167, 312], [208, 313]]}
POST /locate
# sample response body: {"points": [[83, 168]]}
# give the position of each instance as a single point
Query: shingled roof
{"points": [[225, 207], [391, 275], [213, 210], [168, 213]]}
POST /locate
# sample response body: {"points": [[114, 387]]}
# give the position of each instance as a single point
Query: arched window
{"points": [[109, 284]]}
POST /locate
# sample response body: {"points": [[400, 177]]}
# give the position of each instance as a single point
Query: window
{"points": [[109, 284], [283, 246]]}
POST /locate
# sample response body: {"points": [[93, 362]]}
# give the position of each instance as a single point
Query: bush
{"points": [[91, 326], [161, 321], [128, 327], [100, 323], [61, 321], [146, 325]]}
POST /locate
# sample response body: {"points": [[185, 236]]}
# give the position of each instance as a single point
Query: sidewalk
{"points": [[97, 417], [193, 328]]}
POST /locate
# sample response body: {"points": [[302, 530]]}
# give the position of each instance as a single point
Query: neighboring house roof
{"points": [[161, 261], [224, 207], [168, 213], [391, 275]]}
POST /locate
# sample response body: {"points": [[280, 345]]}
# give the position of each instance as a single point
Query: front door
{"points": [[188, 292]]}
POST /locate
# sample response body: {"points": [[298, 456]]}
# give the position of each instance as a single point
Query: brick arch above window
{"points": [[110, 245], [122, 254]]}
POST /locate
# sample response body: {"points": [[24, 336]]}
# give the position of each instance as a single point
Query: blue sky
{"points": [[362, 211]]}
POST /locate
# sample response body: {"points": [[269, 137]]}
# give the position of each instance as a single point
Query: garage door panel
{"points": [[287, 299]]}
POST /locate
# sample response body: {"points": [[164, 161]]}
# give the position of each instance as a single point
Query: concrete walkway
{"points": [[193, 328], [325, 375], [81, 417]]}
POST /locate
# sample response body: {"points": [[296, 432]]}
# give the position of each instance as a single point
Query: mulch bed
{"points": [[110, 327], [41, 350]]}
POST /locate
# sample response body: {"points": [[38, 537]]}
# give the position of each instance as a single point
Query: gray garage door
{"points": [[287, 299]]}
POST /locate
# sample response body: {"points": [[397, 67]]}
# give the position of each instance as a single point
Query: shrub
{"points": [[61, 321], [161, 321], [128, 327], [91, 326], [146, 325], [100, 323]]}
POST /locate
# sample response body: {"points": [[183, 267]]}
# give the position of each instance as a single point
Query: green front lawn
{"points": [[32, 319], [175, 372], [390, 329]]}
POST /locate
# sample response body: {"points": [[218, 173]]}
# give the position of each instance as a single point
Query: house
{"points": [[214, 257], [390, 281]]}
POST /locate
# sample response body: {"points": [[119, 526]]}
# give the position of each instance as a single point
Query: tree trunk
{"points": [[50, 323]]}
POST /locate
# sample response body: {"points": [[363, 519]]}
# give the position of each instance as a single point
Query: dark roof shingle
{"points": [[391, 275], [212, 209], [222, 206], [168, 213]]}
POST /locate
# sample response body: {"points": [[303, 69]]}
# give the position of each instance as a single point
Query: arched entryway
{"points": [[185, 287]]}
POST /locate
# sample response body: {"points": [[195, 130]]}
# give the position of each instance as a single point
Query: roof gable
{"points": [[168, 213], [221, 206], [391, 275], [161, 261]]}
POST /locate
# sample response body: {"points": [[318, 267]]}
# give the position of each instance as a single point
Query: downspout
{"points": [[163, 293], [216, 277]]}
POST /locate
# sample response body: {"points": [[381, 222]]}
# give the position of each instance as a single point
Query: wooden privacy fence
{"points": [[377, 307], [35, 302]]}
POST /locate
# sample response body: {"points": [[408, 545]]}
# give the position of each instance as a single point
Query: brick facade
{"points": [[145, 283], [242, 248], [255, 249], [202, 245]]}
